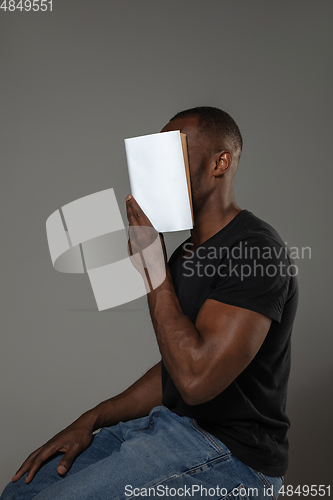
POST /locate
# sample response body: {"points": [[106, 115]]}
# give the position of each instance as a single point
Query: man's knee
{"points": [[9, 492], [19, 490]]}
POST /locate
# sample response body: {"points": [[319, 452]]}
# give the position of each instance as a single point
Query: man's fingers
{"points": [[22, 470], [26, 465], [34, 468], [44, 454], [135, 215], [71, 441]]}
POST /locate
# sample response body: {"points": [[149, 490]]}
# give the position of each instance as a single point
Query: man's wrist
{"points": [[91, 419], [166, 284]]}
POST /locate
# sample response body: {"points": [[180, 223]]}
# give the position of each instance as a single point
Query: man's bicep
{"points": [[231, 337]]}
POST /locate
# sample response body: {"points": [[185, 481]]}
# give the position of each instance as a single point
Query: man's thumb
{"points": [[65, 464], [61, 469]]}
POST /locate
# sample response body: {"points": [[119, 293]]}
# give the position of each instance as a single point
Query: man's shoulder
{"points": [[258, 272], [246, 229], [250, 226]]}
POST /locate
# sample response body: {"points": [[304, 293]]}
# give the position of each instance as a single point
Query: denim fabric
{"points": [[169, 454]]}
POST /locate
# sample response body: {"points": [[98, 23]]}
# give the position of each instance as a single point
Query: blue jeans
{"points": [[161, 455]]}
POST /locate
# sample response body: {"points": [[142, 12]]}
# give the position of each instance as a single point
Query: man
{"points": [[209, 419]]}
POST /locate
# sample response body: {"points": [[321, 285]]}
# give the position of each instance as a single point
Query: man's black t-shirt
{"points": [[245, 264]]}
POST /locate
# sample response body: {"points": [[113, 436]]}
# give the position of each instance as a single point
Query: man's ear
{"points": [[222, 163]]}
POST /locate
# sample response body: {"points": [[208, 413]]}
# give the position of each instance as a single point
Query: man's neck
{"points": [[211, 219]]}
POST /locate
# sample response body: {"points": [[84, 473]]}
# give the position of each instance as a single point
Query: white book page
{"points": [[158, 180]]}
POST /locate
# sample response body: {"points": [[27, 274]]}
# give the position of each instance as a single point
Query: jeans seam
{"points": [[180, 474], [209, 437], [264, 481], [240, 488], [210, 461], [151, 424], [231, 493]]}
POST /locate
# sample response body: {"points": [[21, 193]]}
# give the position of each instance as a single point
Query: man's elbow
{"points": [[197, 392], [193, 399]]}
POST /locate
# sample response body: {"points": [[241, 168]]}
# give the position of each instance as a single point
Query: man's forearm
{"points": [[178, 339], [134, 402]]}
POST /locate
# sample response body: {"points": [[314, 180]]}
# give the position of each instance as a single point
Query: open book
{"points": [[160, 179]]}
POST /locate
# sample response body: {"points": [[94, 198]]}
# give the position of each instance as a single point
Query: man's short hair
{"points": [[214, 121]]}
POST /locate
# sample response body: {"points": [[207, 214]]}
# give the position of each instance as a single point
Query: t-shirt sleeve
{"points": [[255, 275]]}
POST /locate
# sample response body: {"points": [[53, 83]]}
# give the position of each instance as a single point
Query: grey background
{"points": [[74, 84]]}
